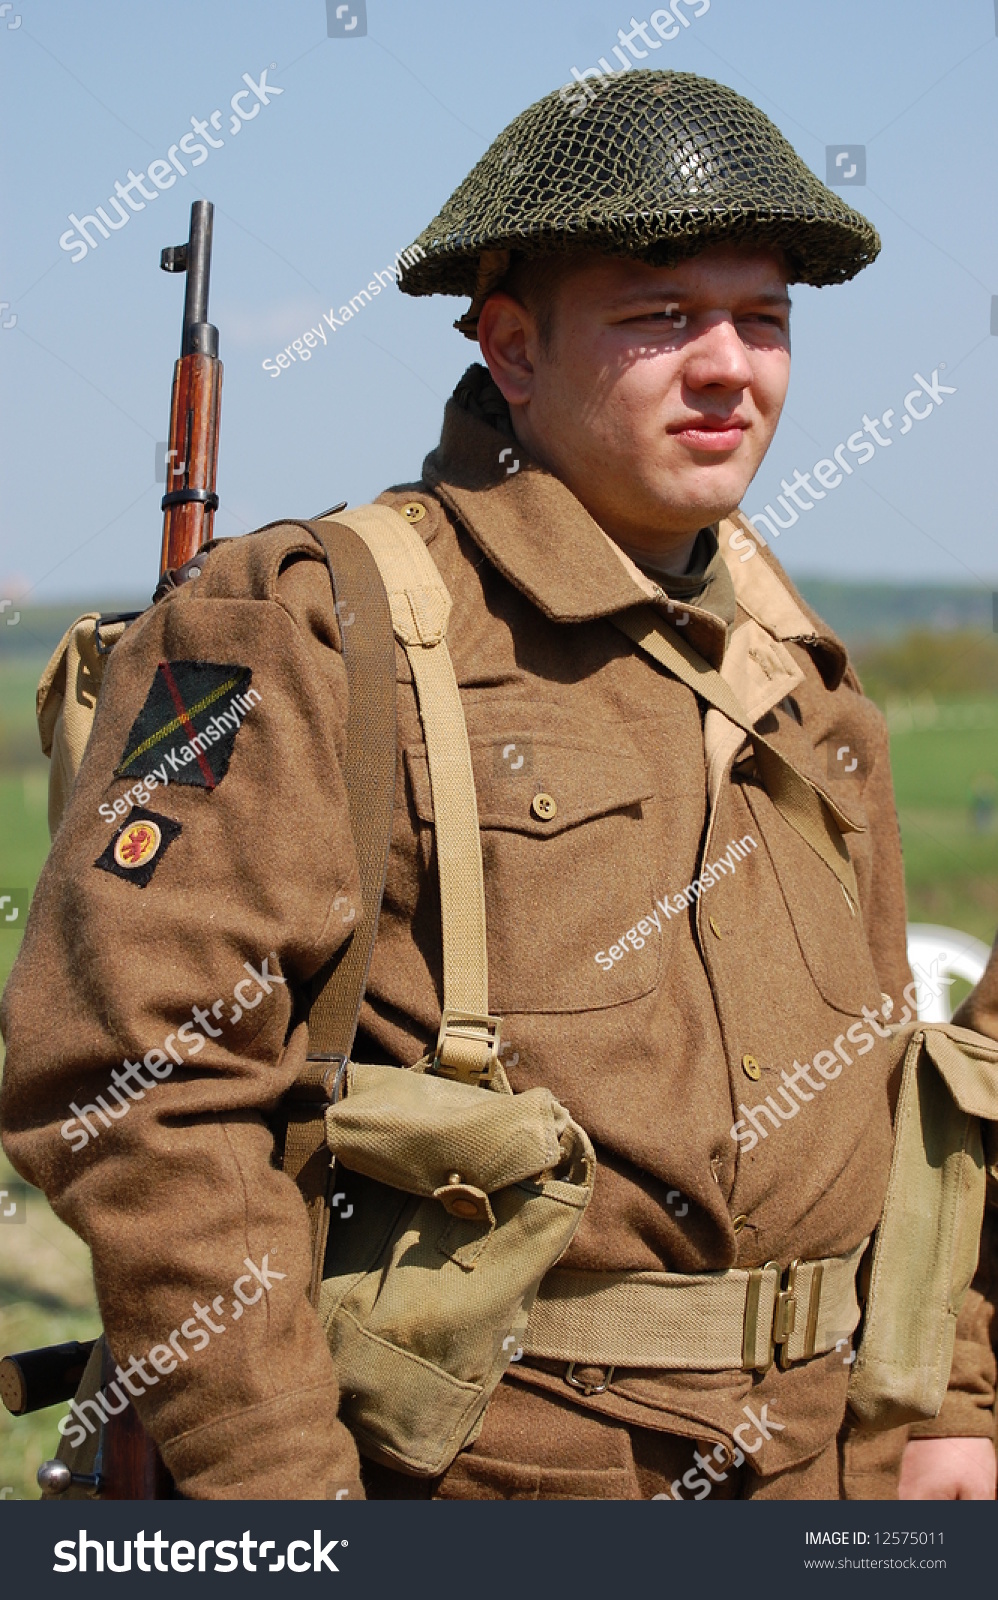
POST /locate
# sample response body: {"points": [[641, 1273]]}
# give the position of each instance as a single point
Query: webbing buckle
{"points": [[472, 1045], [321, 1080]]}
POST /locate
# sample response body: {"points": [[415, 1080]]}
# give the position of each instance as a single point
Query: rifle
{"points": [[128, 1465], [190, 502]]}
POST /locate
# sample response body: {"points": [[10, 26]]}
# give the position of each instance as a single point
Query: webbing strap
{"points": [[700, 1322], [369, 658], [811, 814], [467, 1047]]}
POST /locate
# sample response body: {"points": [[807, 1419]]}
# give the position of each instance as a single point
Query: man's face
{"points": [[660, 390]]}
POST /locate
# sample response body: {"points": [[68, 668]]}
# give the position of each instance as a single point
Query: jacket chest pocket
{"points": [[831, 936], [565, 856]]}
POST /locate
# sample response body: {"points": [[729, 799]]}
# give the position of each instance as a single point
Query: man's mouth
{"points": [[714, 434]]}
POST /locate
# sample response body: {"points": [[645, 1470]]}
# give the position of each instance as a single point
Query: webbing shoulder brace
{"points": [[386, 583]]}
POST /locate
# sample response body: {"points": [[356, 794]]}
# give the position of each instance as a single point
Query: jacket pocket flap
{"points": [[583, 780]]}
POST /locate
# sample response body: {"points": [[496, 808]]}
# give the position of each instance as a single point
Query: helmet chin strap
{"points": [[493, 266]]}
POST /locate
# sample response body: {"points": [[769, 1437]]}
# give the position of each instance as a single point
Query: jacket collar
{"points": [[529, 524]]}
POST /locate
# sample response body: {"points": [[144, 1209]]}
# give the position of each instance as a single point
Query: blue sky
{"points": [[332, 177]]}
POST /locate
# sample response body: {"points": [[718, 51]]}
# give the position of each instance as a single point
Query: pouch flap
{"points": [[968, 1064], [414, 1131]]}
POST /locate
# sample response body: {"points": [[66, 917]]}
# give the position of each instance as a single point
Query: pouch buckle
{"points": [[588, 1388], [467, 1049], [106, 620]]}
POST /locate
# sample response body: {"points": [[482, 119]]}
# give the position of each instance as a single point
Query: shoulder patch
{"points": [[138, 846], [189, 722]]}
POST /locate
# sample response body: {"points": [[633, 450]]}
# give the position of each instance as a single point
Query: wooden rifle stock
{"points": [[131, 1468]]}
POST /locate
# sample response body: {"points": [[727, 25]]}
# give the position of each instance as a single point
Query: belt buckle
{"points": [[785, 1314], [588, 1388], [750, 1328]]}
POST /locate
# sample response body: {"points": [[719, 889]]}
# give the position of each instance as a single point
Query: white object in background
{"points": [[937, 956]]}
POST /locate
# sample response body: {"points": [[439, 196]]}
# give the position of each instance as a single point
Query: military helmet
{"points": [[658, 165]]}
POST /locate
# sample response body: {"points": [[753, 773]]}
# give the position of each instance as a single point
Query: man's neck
{"points": [[671, 563]]}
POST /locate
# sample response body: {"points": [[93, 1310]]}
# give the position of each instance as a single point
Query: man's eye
{"points": [[672, 315]]}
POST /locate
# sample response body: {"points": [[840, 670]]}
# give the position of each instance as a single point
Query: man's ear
{"points": [[509, 341]]}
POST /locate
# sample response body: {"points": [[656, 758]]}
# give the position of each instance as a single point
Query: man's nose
{"points": [[717, 357]]}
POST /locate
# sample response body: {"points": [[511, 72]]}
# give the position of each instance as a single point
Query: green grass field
{"points": [[941, 751]]}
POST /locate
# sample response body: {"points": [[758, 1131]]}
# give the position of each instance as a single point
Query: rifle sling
{"points": [[368, 646]]}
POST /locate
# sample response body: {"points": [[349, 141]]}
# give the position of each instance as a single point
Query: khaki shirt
{"points": [[662, 1023]]}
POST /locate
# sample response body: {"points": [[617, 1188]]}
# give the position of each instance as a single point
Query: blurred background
{"points": [[382, 110]]}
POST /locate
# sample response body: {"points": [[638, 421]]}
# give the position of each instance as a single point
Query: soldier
{"points": [[684, 951]]}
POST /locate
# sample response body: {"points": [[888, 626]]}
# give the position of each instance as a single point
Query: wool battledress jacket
{"points": [[174, 954]]}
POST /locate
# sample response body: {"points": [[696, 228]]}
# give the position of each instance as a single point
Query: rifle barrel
{"points": [[199, 336]]}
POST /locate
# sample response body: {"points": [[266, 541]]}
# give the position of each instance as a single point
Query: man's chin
{"points": [[699, 504]]}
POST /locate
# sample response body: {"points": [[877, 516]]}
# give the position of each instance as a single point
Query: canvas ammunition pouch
{"points": [[926, 1246], [470, 1196]]}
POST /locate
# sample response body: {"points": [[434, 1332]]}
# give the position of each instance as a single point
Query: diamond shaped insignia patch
{"points": [[188, 724]]}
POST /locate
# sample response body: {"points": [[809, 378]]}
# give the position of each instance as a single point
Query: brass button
{"points": [[739, 1222], [715, 930], [751, 1068], [464, 1200], [414, 511], [544, 807]]}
